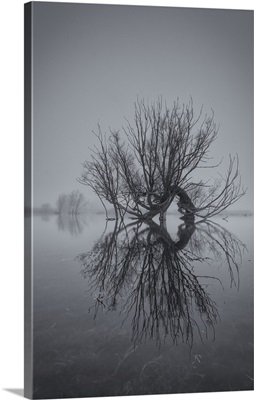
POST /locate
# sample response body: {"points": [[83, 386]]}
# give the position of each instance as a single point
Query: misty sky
{"points": [[90, 62]]}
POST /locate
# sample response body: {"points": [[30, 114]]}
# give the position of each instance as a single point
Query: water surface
{"points": [[109, 331]]}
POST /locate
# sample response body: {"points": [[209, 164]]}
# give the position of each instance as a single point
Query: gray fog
{"points": [[90, 62]]}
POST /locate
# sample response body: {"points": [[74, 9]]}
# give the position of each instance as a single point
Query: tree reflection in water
{"points": [[139, 265], [73, 223]]}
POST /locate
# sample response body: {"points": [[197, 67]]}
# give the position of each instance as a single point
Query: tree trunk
{"points": [[185, 205]]}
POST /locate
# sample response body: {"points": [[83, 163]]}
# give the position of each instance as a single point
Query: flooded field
{"points": [[141, 309]]}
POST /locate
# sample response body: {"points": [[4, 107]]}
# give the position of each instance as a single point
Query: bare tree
{"points": [[142, 171], [74, 203], [77, 202], [61, 203]]}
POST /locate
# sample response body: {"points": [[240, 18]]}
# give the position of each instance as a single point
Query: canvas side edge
{"points": [[28, 281]]}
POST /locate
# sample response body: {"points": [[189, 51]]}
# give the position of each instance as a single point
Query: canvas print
{"points": [[138, 200]]}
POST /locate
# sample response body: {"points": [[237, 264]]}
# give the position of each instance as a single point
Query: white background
{"points": [[11, 184]]}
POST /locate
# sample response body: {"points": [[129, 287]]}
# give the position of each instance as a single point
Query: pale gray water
{"points": [[78, 354]]}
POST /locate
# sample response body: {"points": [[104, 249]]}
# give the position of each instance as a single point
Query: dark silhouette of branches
{"points": [[223, 246], [143, 169], [214, 198], [139, 262]]}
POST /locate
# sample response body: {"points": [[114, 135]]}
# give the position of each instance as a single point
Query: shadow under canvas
{"points": [[17, 392]]}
